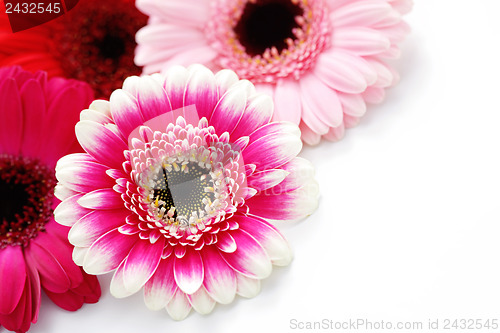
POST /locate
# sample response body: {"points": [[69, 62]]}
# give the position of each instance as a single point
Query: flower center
{"points": [[185, 189], [97, 43], [267, 24], [26, 192], [266, 40]]}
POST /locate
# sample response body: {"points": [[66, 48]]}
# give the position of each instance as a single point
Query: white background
{"points": [[408, 222]]}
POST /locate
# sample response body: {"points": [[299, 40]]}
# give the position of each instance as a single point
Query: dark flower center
{"points": [[183, 188], [96, 43], [111, 47], [26, 192], [267, 23]]}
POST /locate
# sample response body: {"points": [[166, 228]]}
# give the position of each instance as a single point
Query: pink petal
{"points": [[101, 142], [353, 104], [360, 40], [175, 84], [286, 206], [317, 114], [308, 135], [268, 237], [300, 173], [12, 277], [61, 250], [220, 280], [230, 108], [250, 259], [201, 91], [188, 271], [226, 243], [364, 13], [52, 275], [125, 111], [152, 98], [141, 264], [69, 300], [69, 211], [258, 112], [11, 122], [266, 179], [224, 80], [160, 289], [80, 172], [20, 318], [101, 199], [279, 141], [108, 252], [340, 74], [93, 225], [287, 101], [33, 102]]}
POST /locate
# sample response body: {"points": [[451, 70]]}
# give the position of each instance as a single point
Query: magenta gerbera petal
{"points": [[189, 154], [293, 50], [34, 251]]}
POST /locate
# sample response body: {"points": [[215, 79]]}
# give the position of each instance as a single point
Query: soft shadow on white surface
{"points": [[408, 223]]}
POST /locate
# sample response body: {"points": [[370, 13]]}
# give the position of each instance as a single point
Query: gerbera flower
{"points": [[321, 60], [181, 172], [94, 42], [37, 118]]}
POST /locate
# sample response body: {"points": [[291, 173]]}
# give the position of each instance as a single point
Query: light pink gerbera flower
{"points": [[181, 172], [37, 118], [321, 60]]}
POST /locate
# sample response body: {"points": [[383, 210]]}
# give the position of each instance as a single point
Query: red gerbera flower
{"points": [[94, 42]]}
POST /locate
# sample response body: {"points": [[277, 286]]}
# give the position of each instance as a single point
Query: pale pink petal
{"points": [[335, 134], [183, 12], [287, 101], [338, 74], [308, 135], [364, 13], [360, 40], [353, 104], [317, 115], [374, 95]]}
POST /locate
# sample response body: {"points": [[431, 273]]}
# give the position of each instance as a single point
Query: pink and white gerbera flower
{"points": [[321, 60], [181, 172], [37, 119]]}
